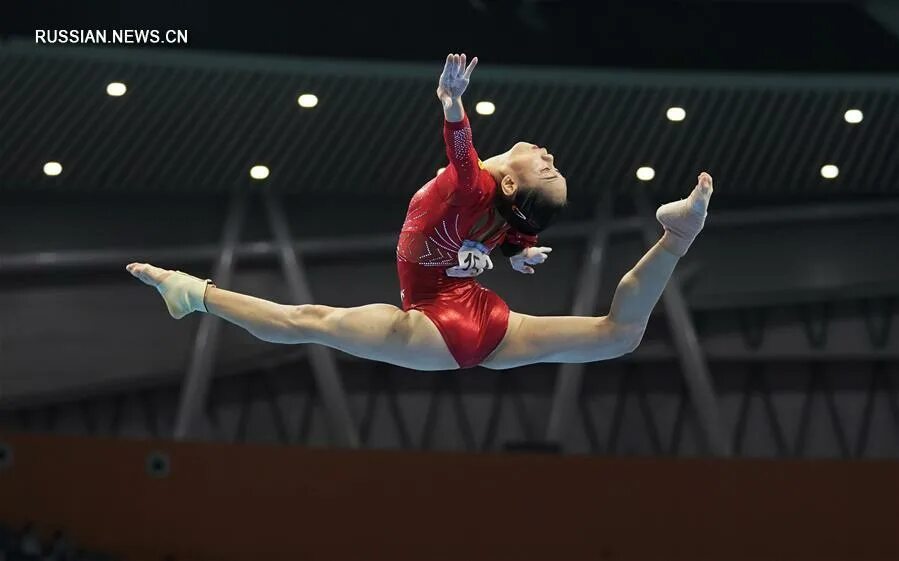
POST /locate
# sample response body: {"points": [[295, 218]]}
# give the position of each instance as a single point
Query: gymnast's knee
{"points": [[629, 336]]}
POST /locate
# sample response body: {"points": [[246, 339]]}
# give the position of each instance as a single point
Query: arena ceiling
{"points": [[196, 123], [730, 35]]}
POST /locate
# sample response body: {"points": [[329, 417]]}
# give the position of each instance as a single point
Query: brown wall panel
{"points": [[245, 502]]}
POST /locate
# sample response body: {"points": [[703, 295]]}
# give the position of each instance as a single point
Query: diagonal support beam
{"points": [[195, 391], [692, 359], [569, 377], [324, 363]]}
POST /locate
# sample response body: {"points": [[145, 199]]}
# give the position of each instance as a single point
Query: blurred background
{"points": [[276, 150]]}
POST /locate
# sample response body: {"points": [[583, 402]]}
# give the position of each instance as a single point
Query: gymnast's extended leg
{"points": [[531, 339], [377, 331]]}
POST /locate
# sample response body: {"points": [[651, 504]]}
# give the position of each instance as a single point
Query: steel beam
{"points": [[568, 379], [51, 261], [692, 359], [195, 390], [649, 353], [324, 363]]}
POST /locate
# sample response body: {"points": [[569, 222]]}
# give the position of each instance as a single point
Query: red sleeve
{"points": [[514, 242], [463, 171], [519, 239]]}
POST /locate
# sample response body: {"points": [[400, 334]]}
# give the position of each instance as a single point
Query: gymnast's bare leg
{"points": [[379, 332], [531, 339]]}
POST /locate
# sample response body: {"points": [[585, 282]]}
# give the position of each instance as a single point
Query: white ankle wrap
{"points": [[183, 294], [683, 220]]}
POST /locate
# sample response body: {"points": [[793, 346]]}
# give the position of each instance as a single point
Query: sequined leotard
{"points": [[456, 205]]}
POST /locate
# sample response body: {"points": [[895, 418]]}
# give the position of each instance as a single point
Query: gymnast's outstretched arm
{"points": [[459, 183]]}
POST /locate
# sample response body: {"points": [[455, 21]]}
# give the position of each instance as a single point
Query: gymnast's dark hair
{"points": [[529, 212]]}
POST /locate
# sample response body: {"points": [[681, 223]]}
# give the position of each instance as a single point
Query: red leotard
{"points": [[456, 205]]}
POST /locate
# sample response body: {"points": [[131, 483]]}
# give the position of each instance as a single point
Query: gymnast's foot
{"points": [[684, 219], [182, 293]]}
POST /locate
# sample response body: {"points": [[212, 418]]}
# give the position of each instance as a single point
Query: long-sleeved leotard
{"points": [[455, 206]]}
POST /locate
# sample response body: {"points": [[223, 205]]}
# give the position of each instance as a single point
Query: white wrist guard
{"points": [[474, 259]]}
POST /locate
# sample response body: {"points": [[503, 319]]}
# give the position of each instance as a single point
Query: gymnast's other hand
{"points": [[529, 256]]}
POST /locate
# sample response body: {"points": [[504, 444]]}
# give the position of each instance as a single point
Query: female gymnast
{"points": [[448, 320]]}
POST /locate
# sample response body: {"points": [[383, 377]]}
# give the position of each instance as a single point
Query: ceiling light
{"points": [[676, 114], [52, 168], [829, 171], [853, 116], [116, 89], [485, 108], [645, 173], [259, 172], [307, 100]]}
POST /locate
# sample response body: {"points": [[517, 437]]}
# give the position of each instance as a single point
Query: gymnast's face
{"points": [[530, 166]]}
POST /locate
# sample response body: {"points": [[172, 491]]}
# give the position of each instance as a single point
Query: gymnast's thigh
{"points": [[386, 333], [533, 339]]}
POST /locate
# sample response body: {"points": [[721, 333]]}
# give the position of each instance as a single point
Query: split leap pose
{"points": [[448, 320]]}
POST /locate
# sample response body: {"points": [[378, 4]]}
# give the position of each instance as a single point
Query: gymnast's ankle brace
{"points": [[184, 294], [683, 220]]}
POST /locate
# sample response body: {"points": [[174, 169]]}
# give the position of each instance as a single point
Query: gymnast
{"points": [[448, 320]]}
